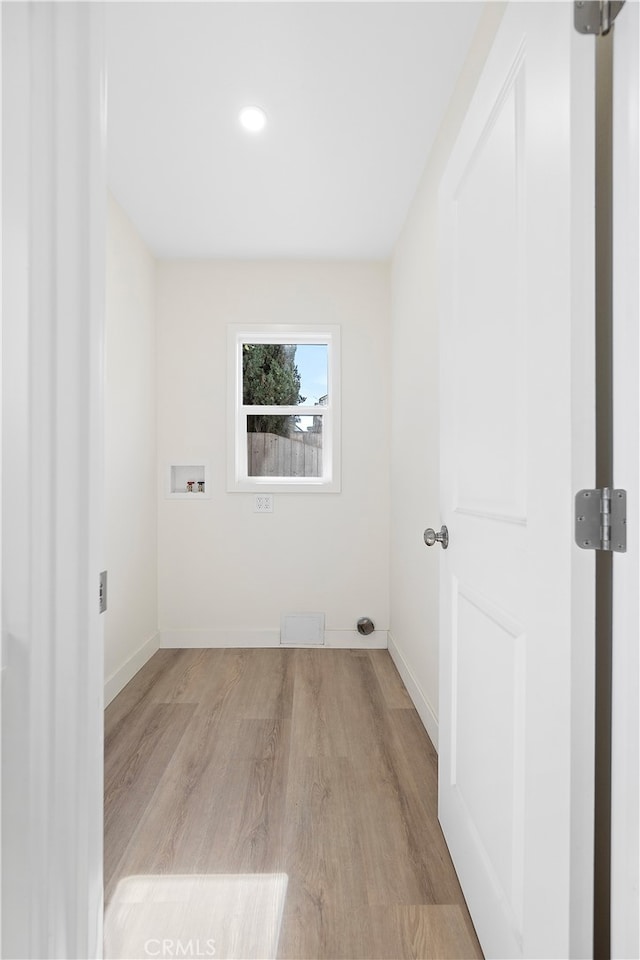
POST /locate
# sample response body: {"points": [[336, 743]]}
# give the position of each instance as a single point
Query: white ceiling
{"points": [[354, 93]]}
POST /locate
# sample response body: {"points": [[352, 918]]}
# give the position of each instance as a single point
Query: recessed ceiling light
{"points": [[253, 119]]}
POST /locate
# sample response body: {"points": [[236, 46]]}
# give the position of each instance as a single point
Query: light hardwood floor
{"points": [[275, 803]]}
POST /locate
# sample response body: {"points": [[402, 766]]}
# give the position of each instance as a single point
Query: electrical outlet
{"points": [[264, 503]]}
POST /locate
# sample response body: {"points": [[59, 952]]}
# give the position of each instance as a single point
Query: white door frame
{"points": [[625, 800], [54, 226]]}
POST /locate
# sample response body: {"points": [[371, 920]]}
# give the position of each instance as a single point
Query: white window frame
{"points": [[238, 480]]}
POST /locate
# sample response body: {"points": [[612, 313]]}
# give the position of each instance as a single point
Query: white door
{"points": [[53, 256], [516, 776]]}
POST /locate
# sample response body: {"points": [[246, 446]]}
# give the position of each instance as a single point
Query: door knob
{"points": [[431, 537]]}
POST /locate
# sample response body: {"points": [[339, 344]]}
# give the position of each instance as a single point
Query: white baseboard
{"points": [[352, 640], [420, 702], [341, 639], [196, 639], [118, 680]]}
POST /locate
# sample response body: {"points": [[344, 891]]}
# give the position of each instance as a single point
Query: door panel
{"points": [[490, 450], [513, 253], [487, 744]]}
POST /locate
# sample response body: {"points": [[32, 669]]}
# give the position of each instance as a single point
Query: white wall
{"points": [[225, 573], [130, 453], [413, 640]]}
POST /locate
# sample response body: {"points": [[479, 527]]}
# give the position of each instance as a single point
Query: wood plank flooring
{"points": [[275, 803]]}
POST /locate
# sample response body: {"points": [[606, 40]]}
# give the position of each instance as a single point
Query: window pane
{"points": [[286, 374], [284, 446]]}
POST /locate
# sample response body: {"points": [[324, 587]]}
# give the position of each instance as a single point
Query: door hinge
{"points": [[595, 17], [103, 592], [601, 520]]}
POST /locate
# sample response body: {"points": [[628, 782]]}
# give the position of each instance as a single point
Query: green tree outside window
{"points": [[270, 377]]}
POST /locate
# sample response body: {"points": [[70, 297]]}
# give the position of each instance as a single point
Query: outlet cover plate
{"points": [[263, 503]]}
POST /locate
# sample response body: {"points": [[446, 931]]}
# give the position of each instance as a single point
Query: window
{"points": [[284, 396]]}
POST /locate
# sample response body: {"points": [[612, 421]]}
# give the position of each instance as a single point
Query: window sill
{"points": [[283, 485]]}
